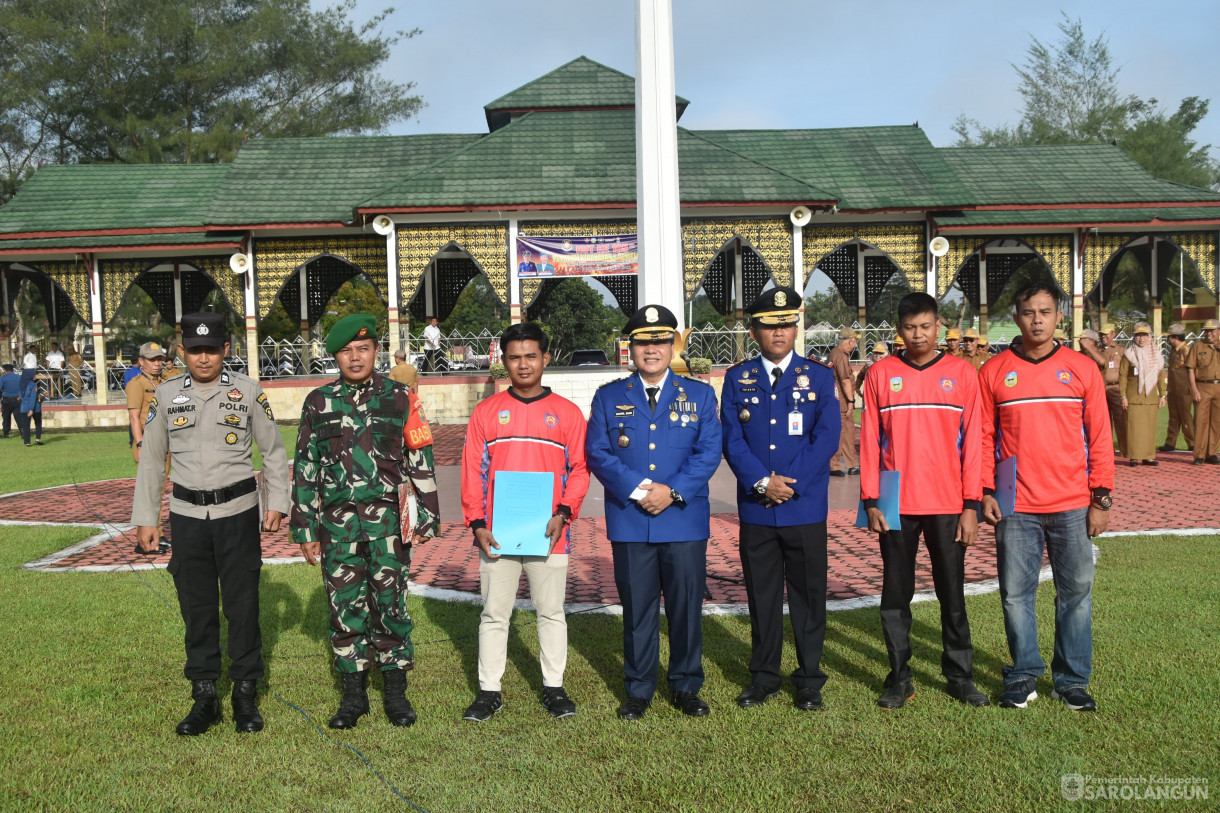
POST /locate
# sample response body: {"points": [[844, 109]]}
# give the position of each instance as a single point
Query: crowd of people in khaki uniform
{"points": [[1139, 383]]}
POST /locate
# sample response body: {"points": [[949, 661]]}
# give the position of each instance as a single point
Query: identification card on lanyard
{"points": [[796, 420]]}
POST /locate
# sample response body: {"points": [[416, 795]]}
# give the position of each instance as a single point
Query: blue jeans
{"points": [[1019, 542]]}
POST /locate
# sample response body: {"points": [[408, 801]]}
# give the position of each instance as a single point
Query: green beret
{"points": [[354, 326]]}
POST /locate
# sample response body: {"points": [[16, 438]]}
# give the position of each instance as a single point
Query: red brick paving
{"points": [[1145, 499]]}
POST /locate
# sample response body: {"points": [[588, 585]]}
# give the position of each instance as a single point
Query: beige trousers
{"points": [[498, 580]]}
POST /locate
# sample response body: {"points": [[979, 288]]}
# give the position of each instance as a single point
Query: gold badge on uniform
{"points": [[623, 440], [781, 299], [743, 415], [802, 381], [181, 420], [651, 315], [231, 438], [232, 420], [673, 416], [681, 396], [235, 394]]}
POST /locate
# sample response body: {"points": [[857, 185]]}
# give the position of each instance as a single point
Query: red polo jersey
{"points": [[925, 423], [1051, 413], [508, 433]]}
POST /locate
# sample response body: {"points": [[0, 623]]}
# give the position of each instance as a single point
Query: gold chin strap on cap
{"points": [[778, 318]]}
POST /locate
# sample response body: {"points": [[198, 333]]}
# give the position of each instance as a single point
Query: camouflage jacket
{"points": [[350, 458]]}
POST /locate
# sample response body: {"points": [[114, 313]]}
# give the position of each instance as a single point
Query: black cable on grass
{"points": [[267, 688]]}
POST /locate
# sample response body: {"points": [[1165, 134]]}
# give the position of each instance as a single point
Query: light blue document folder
{"points": [[1006, 485], [520, 510], [887, 501]]}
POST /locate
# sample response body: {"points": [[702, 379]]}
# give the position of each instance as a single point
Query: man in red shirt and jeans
{"points": [[921, 419], [1046, 404], [526, 428]]}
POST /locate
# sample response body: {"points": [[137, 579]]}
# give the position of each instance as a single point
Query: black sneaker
{"points": [[896, 696], [1075, 698], [1019, 693], [484, 706], [557, 702]]}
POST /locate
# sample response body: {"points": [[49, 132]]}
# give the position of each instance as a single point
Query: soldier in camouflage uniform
{"points": [[351, 458]]}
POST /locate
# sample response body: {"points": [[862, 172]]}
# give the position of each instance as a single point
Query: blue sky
{"points": [[780, 63]]}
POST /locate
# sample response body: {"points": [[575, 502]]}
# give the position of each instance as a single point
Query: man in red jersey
{"points": [[525, 428], [1046, 404], [921, 418]]}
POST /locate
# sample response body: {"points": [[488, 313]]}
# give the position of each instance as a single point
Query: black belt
{"points": [[216, 496], [1208, 381]]}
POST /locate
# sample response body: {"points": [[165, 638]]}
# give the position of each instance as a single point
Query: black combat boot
{"points": [[205, 713], [397, 707], [246, 718], [355, 702]]}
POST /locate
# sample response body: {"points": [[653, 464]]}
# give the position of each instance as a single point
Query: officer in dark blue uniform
{"points": [[781, 427], [654, 442]]}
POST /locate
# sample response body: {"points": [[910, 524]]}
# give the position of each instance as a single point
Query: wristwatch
{"points": [[675, 496], [139, 443], [1102, 502], [760, 488]]}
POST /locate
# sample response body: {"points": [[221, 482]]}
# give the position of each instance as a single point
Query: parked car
{"points": [[588, 358]]}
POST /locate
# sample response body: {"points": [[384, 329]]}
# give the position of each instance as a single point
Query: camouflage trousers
{"points": [[366, 582]]}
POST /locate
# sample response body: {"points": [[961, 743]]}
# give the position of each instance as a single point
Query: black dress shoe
{"points": [[808, 699], [756, 695], [896, 696], [1214, 460], [832, 474], [966, 692], [1133, 463], [1197, 462], [1165, 448], [633, 708], [854, 470], [1151, 463], [690, 704]]}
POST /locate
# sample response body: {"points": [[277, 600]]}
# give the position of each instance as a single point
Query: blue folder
{"points": [[1005, 486], [887, 501], [521, 507]]}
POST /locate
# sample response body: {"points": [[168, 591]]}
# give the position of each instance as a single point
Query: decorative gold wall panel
{"points": [[117, 277], [1098, 252], [902, 243], [1200, 246], [73, 280], [590, 228], [702, 240], [1056, 252], [233, 286], [948, 266], [277, 259], [487, 243]]}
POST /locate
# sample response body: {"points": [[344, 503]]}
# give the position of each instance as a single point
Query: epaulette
{"points": [[827, 365], [616, 381], [696, 380], [738, 364]]}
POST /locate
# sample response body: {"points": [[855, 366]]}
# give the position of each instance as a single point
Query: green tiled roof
{"points": [[583, 157], [120, 241], [580, 83], [1056, 174], [112, 196], [1077, 217], [319, 180], [866, 167]]}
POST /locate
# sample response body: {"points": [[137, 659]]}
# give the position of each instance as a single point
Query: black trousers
{"points": [[228, 551], [795, 554], [642, 572], [23, 425], [898, 549], [9, 405]]}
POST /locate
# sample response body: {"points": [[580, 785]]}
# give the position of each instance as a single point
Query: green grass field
{"points": [[93, 688]]}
